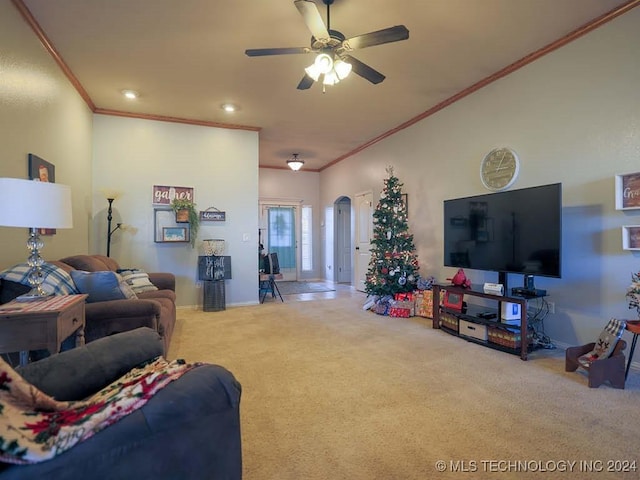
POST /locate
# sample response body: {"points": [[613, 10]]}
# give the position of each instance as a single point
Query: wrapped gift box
{"points": [[382, 308], [424, 303], [410, 296], [399, 312], [405, 304]]}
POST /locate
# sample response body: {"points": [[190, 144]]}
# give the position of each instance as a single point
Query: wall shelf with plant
{"points": [[186, 213]]}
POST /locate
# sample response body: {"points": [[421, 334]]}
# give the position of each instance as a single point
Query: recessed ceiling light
{"points": [[229, 107], [130, 94]]}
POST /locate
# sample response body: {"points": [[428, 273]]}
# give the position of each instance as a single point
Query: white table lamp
{"points": [[34, 205]]}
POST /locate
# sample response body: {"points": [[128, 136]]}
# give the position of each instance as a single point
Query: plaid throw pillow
{"points": [[137, 280], [56, 280]]}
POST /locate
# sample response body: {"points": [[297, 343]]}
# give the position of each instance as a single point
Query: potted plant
{"points": [[186, 213]]}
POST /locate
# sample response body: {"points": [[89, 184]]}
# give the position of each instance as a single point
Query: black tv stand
{"points": [[485, 318]]}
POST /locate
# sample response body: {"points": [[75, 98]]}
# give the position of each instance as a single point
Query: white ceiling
{"points": [[186, 58]]}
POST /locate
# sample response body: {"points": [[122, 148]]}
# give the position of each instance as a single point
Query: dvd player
{"points": [[528, 292]]}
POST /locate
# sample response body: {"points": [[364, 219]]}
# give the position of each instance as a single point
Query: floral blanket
{"points": [[35, 427]]}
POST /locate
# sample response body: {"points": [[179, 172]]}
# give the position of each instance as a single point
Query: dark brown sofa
{"points": [[154, 309]]}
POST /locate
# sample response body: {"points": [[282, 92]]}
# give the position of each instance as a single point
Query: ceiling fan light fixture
{"points": [[313, 72], [295, 163], [342, 68], [330, 78], [324, 63]]}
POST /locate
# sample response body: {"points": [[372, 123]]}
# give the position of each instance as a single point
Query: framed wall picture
{"points": [[167, 230], [42, 171], [631, 237], [628, 191], [175, 234], [453, 301]]}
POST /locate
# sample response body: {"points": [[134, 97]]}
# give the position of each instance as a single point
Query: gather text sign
{"points": [[165, 194]]}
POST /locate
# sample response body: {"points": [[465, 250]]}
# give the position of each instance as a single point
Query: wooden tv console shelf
{"points": [[512, 337]]}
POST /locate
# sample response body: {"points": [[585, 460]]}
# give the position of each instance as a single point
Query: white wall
{"points": [[304, 189], [132, 155], [572, 117], [41, 113]]}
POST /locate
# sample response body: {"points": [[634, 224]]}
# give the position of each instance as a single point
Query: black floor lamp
{"points": [[109, 231]]}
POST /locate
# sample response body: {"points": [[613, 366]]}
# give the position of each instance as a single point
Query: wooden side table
{"points": [[41, 324]]}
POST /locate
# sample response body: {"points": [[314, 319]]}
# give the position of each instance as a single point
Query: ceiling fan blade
{"points": [[306, 82], [313, 20], [364, 70], [261, 52], [387, 35]]}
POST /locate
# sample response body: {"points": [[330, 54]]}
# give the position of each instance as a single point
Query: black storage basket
{"points": [[214, 300]]}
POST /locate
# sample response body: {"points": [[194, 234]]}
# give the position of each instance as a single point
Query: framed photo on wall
{"points": [[174, 234], [42, 171], [631, 237], [628, 191]]}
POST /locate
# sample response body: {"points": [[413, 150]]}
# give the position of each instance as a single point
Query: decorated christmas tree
{"points": [[393, 267]]}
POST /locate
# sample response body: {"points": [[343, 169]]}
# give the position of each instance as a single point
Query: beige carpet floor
{"points": [[333, 392]]}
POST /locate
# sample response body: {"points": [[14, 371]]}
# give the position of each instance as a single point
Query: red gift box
{"points": [[405, 296], [399, 312]]}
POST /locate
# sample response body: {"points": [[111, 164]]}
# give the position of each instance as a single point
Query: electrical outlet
{"points": [[552, 307]]}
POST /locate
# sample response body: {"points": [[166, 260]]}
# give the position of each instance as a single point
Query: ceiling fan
{"points": [[332, 60]]}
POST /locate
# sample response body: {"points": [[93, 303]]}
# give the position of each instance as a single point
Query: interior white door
{"points": [[343, 241], [363, 234]]}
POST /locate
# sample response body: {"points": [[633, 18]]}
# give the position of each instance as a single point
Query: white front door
{"points": [[364, 234]]}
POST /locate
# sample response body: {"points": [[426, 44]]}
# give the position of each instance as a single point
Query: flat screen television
{"points": [[515, 231]]}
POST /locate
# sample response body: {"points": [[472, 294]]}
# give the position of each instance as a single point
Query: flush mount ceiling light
{"points": [[130, 94], [229, 107], [295, 163]]}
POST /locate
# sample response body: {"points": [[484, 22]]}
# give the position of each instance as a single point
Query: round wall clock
{"points": [[499, 169]]}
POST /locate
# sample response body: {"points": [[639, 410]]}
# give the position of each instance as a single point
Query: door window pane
{"points": [[282, 235]]}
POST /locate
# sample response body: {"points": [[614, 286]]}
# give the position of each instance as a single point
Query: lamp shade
{"points": [[33, 204]]}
